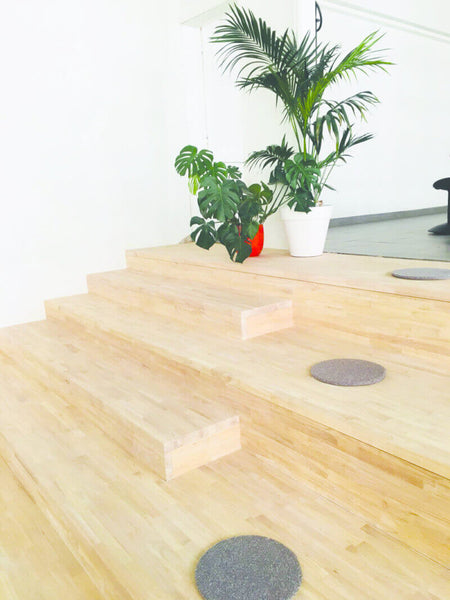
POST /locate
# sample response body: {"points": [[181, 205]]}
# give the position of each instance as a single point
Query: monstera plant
{"points": [[230, 211], [299, 74]]}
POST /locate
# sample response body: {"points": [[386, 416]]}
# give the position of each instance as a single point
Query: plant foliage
{"points": [[299, 73], [230, 212]]}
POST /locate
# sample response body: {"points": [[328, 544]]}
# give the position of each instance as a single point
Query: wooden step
{"points": [[237, 313], [152, 412], [35, 564], [354, 296], [371, 273], [139, 538], [394, 434]]}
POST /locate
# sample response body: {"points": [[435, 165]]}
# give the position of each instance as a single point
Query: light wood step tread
{"points": [[391, 415], [140, 538], [155, 414], [243, 313], [35, 564], [343, 270]]}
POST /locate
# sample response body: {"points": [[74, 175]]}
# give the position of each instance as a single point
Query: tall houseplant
{"points": [[299, 73]]}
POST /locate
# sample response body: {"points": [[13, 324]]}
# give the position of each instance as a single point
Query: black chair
{"points": [[444, 229]]}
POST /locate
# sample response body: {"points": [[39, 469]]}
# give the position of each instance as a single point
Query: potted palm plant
{"points": [[300, 73]]}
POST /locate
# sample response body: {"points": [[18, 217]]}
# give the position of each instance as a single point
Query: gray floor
{"points": [[398, 238]]}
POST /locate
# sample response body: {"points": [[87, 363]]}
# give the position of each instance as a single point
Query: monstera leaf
{"points": [[301, 200], [191, 161], [249, 212], [302, 171], [230, 236], [205, 234], [234, 172], [218, 171], [261, 193], [218, 200]]}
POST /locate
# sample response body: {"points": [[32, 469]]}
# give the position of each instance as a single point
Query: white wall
{"points": [[91, 112], [393, 172]]}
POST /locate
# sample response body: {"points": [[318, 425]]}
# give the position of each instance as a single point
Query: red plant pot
{"points": [[257, 242]]}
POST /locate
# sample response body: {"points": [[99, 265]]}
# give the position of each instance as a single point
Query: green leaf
{"points": [[255, 189], [301, 200], [249, 209], [249, 230], [192, 162], [292, 173], [218, 170], [237, 247], [270, 156], [218, 200], [234, 172], [205, 234], [193, 184]]}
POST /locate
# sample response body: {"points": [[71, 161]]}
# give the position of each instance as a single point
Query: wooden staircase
{"points": [[113, 403]]}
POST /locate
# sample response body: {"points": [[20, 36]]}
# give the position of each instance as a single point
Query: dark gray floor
{"points": [[398, 238]]}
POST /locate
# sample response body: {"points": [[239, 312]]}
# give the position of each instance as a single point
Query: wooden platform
{"points": [[141, 381]]}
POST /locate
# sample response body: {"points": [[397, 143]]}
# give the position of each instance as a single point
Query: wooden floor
{"points": [[138, 427]]}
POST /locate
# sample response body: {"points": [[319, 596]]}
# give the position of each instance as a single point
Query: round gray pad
{"points": [[348, 371], [248, 567], [425, 273]]}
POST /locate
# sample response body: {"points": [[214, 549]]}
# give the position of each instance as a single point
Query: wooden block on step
{"points": [[240, 314], [153, 413]]}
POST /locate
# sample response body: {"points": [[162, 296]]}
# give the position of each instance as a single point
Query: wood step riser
{"points": [[237, 280], [167, 460], [404, 500], [415, 327], [235, 324]]}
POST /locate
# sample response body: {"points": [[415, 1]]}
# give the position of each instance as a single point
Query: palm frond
{"points": [[357, 104], [265, 59], [348, 140], [361, 59], [250, 40], [270, 156]]}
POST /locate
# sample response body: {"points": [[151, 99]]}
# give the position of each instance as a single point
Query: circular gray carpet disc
{"points": [[424, 273], [248, 567], [348, 371]]}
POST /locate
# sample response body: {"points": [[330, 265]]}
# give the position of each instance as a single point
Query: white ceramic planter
{"points": [[306, 232]]}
